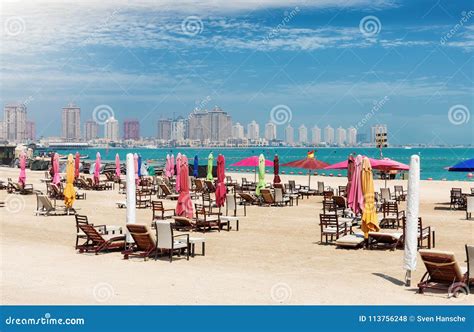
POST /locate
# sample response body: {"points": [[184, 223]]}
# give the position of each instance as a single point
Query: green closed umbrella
{"points": [[210, 161], [261, 174]]}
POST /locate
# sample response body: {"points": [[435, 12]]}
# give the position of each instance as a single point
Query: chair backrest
{"points": [[339, 201], [278, 195], [157, 206], [199, 185], [182, 222], [342, 190], [46, 203], [267, 196], [328, 219], [472, 190], [320, 187], [165, 189], [329, 206], [385, 193], [470, 204], [81, 220], [244, 181], [292, 184], [441, 266], [328, 194], [164, 235], [210, 186], [398, 189], [247, 197], [231, 204], [389, 208], [470, 261], [141, 236], [91, 233]]}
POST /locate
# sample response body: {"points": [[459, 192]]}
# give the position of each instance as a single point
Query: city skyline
{"points": [[318, 59]]}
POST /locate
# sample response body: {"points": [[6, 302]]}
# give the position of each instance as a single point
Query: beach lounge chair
{"points": [[144, 243], [267, 197], [442, 272], [97, 242], [229, 181], [17, 188], [424, 233], [183, 224], [159, 212], [248, 199], [44, 207], [281, 199], [381, 240], [143, 199], [80, 235], [469, 206], [206, 220], [331, 227], [166, 192], [82, 183], [199, 186], [470, 265], [456, 199], [400, 193], [352, 241], [167, 241], [392, 217], [248, 185], [210, 187]]}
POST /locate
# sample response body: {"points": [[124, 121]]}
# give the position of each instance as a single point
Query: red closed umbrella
{"points": [[276, 169], [221, 189], [77, 163]]}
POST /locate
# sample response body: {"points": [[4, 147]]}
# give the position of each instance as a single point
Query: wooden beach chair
{"points": [[159, 211], [267, 197], [167, 192], [331, 227], [183, 224], [80, 235], [16, 188], [44, 207], [97, 242], [144, 243], [381, 240], [400, 193], [442, 272], [206, 220], [425, 233], [392, 216]]}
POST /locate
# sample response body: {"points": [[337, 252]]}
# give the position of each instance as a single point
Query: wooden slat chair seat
{"points": [[97, 242]]}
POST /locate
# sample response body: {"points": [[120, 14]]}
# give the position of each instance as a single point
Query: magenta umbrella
{"points": [[178, 169], [97, 168], [221, 189], [252, 162], [56, 177], [22, 177], [117, 165], [355, 197], [184, 207], [380, 164], [77, 163]]}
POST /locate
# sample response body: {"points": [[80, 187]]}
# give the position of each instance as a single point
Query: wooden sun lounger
{"points": [[97, 242], [145, 244], [350, 241], [384, 240], [167, 192]]}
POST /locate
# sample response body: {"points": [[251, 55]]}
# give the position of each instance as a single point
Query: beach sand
{"points": [[275, 258]]}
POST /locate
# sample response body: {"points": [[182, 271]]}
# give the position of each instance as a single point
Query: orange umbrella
{"points": [[370, 221], [69, 192]]}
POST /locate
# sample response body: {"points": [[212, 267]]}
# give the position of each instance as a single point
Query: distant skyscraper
{"points": [[303, 134], [111, 129], [379, 135], [178, 129], [270, 131], [341, 136], [131, 130], [351, 136], [30, 130], [71, 122], [289, 135], [329, 135], [15, 122], [91, 129], [164, 129], [3, 134], [253, 130], [215, 125], [238, 131], [316, 135]]}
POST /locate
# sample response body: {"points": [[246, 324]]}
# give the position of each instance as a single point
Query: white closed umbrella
{"points": [[411, 225], [131, 199]]}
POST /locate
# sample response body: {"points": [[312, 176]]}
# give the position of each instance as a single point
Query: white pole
{"points": [[411, 226], [131, 218]]}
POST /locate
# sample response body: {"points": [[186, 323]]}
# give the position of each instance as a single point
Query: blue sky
{"points": [[152, 59]]}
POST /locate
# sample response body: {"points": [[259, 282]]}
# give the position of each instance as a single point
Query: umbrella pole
{"points": [[309, 180], [255, 174]]}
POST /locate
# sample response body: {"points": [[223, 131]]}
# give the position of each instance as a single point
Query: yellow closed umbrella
{"points": [[69, 192], [370, 222]]}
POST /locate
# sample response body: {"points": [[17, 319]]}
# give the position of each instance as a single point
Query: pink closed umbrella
{"points": [[221, 189], [355, 198], [97, 168], [117, 165], [56, 177], [22, 177], [184, 207], [77, 163], [172, 165], [135, 160], [178, 166]]}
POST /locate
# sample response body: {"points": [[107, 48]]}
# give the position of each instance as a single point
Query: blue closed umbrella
{"points": [[139, 165], [196, 166], [463, 166]]}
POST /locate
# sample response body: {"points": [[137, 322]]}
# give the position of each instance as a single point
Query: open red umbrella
{"points": [[221, 189], [309, 163], [252, 162], [276, 170]]}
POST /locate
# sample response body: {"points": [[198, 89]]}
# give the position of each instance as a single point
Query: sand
{"points": [[275, 258]]}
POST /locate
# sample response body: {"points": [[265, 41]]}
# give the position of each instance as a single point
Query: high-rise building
{"points": [[316, 135], [91, 129], [3, 135], [131, 130], [238, 131], [253, 130], [270, 131], [303, 134], [30, 130], [351, 136], [178, 129], [341, 136], [15, 122], [71, 122], [289, 135], [164, 129], [379, 135], [111, 130], [329, 135], [215, 125]]}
